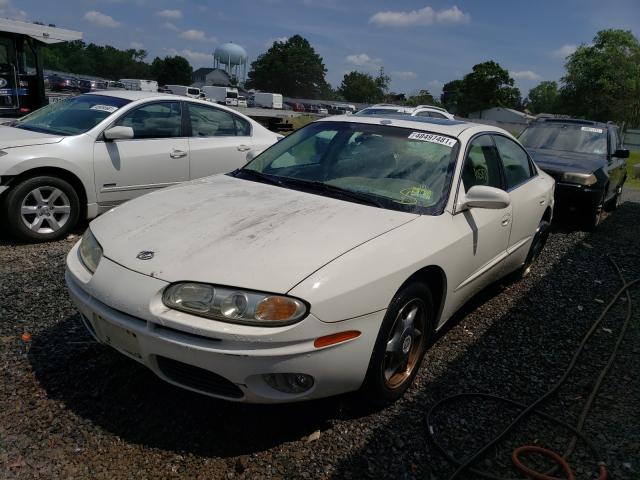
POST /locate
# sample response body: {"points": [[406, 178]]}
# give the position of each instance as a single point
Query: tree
{"points": [[172, 70], [292, 68], [423, 97], [362, 88], [451, 95], [603, 79], [543, 98], [488, 85]]}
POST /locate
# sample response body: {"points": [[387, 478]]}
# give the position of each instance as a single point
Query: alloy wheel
{"points": [[45, 209]]}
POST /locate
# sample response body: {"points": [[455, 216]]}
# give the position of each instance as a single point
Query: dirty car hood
{"points": [[11, 137], [236, 232], [559, 161]]}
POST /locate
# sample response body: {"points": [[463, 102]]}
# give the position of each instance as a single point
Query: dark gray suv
{"points": [[587, 161]]}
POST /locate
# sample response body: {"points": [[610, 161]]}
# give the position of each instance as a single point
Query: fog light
{"points": [[289, 382]]}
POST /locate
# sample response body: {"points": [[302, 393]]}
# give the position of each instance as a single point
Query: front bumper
{"points": [[573, 198], [124, 309]]}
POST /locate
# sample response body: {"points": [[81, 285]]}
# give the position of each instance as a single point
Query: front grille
{"points": [[198, 378]]}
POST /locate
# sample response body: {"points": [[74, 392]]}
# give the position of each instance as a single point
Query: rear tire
{"points": [[405, 334], [537, 245], [41, 209]]}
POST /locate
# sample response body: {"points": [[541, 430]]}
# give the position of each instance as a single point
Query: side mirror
{"points": [[621, 153], [118, 133], [480, 196]]}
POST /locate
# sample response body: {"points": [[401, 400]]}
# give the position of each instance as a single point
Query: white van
{"points": [[192, 92], [224, 95], [268, 100], [139, 84]]}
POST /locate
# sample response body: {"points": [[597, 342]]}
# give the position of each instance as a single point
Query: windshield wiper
{"points": [[261, 177], [333, 190]]}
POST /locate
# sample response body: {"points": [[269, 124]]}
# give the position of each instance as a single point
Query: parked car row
{"points": [[64, 83], [324, 265]]}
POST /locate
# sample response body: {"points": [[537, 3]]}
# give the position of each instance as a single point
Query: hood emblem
{"points": [[145, 255]]}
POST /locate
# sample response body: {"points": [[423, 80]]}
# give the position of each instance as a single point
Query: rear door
{"points": [[156, 157], [528, 196], [219, 140], [8, 76]]}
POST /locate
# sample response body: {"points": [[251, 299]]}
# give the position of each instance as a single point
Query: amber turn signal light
{"points": [[335, 338]]}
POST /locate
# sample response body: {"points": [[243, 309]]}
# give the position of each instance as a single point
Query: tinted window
{"points": [[482, 165], [211, 122], [615, 141], [516, 164], [156, 120], [437, 115]]}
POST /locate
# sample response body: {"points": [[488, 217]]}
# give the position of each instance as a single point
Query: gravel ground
{"points": [[71, 408]]}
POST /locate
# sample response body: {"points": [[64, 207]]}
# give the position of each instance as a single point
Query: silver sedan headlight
{"points": [[234, 305], [90, 251], [579, 178]]}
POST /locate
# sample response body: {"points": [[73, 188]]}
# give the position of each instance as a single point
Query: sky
{"points": [[420, 44]]}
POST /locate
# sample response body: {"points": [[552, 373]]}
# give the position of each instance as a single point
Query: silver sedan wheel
{"points": [[45, 209], [405, 343]]}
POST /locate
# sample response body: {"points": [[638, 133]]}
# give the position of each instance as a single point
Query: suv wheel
{"points": [[614, 203], [41, 209], [594, 217]]}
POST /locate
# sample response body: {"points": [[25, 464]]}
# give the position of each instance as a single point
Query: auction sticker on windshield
{"points": [[432, 138], [104, 108], [591, 129]]}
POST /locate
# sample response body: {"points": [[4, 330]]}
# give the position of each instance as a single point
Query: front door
{"points": [[8, 76], [156, 157]]}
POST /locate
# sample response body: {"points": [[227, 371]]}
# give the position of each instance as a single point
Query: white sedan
{"points": [[80, 157], [323, 266]]}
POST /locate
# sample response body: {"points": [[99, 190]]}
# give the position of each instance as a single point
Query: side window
{"points": [[482, 165], [515, 160], [210, 122], [156, 120], [425, 113], [243, 128], [437, 115], [615, 140]]}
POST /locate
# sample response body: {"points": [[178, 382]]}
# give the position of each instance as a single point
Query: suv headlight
{"points": [[90, 251], [579, 178], [234, 305]]}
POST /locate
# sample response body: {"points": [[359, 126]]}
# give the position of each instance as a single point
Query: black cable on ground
{"points": [[527, 410]]}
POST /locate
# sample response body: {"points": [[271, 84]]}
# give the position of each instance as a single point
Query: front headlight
{"points": [[579, 178], [234, 305], [90, 251]]}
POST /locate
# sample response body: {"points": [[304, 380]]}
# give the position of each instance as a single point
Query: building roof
{"points": [[203, 71]]}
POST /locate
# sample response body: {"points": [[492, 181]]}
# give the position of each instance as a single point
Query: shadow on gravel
{"points": [[519, 339]]}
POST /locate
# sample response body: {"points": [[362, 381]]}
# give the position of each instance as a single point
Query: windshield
{"points": [[71, 117], [566, 137], [232, 94], [379, 111], [389, 167]]}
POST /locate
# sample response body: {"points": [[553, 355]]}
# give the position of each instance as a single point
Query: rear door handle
{"points": [[178, 154], [243, 148]]}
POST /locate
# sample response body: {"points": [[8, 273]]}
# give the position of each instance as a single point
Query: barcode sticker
{"points": [[591, 129], [104, 108], [432, 138]]}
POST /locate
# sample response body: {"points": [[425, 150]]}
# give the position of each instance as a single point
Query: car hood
{"points": [[559, 161], [11, 137], [239, 233]]}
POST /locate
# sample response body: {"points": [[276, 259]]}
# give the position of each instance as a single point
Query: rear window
{"points": [[379, 111], [193, 91], [566, 137]]}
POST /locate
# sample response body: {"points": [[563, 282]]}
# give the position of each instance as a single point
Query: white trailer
{"points": [[140, 84], [192, 92], [267, 100], [224, 95]]}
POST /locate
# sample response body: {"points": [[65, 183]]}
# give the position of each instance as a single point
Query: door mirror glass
{"points": [[118, 133], [480, 196], [621, 153]]}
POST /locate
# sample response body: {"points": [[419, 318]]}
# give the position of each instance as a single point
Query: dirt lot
{"points": [[71, 408]]}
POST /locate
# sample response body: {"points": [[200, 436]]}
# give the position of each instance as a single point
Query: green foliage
{"points": [[423, 97], [544, 98], [291, 68], [363, 87], [603, 79], [632, 182], [487, 85], [172, 70], [451, 95], [103, 61]]}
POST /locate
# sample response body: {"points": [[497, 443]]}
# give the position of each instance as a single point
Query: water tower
{"points": [[232, 58]]}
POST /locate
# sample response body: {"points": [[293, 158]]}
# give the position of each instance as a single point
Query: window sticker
{"points": [[104, 108], [432, 138], [411, 196], [591, 129]]}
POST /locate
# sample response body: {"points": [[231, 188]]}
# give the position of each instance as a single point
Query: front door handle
{"points": [[506, 220], [243, 148], [178, 154], [542, 201]]}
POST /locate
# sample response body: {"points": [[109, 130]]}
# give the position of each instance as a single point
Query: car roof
{"points": [[130, 94], [443, 126]]}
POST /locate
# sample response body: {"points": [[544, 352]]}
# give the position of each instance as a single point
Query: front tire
{"points": [[614, 203], [402, 341], [594, 217], [41, 209]]}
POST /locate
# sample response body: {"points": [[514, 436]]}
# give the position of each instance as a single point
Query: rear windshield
{"points": [[232, 95], [566, 137], [193, 91], [379, 111]]}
